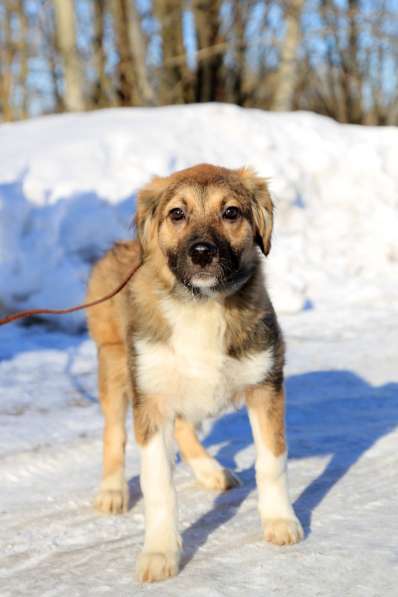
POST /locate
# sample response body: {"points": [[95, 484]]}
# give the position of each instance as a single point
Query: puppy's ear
{"points": [[148, 200], [262, 208]]}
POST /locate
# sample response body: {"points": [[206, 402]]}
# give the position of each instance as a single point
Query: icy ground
{"points": [[342, 428]]}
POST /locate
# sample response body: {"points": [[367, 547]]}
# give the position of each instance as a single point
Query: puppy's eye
{"points": [[232, 213], [176, 214]]}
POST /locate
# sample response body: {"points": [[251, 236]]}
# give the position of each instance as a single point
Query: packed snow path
{"points": [[342, 428]]}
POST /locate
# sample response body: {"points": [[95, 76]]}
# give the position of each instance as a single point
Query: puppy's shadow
{"points": [[135, 493], [334, 413]]}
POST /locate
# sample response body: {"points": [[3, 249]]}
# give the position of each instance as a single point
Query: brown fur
{"points": [[203, 190], [245, 312], [269, 405], [138, 350], [243, 184], [187, 440], [107, 322]]}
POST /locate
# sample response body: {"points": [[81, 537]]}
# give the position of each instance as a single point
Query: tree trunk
{"points": [[100, 94], [23, 47], [7, 51], [241, 15], [138, 49], [127, 88], [174, 75], [283, 98], [66, 42], [352, 66], [210, 52]]}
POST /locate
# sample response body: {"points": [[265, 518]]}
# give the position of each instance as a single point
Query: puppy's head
{"points": [[205, 223]]}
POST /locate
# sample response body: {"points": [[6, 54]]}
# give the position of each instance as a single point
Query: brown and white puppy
{"points": [[193, 332]]}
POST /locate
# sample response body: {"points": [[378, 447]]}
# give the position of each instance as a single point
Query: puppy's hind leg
{"points": [[113, 495], [206, 469]]}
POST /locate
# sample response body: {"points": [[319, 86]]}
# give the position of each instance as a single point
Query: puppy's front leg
{"points": [[160, 556], [266, 412]]}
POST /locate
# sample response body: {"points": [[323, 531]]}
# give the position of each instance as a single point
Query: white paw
{"points": [[155, 566], [212, 475], [112, 501], [283, 531]]}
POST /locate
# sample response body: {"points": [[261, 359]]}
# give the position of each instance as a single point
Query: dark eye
{"points": [[231, 213], [176, 214]]}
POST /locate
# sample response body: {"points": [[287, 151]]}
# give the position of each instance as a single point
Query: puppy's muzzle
{"points": [[202, 253]]}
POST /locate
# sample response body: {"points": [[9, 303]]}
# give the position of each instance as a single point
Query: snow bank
{"points": [[67, 188]]}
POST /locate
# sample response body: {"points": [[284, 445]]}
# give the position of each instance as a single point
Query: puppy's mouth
{"points": [[208, 285], [190, 277], [206, 268], [203, 280]]}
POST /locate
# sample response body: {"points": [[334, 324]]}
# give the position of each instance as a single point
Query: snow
{"points": [[68, 186], [343, 468], [67, 191]]}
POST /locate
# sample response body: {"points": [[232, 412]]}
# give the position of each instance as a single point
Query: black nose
{"points": [[202, 253]]}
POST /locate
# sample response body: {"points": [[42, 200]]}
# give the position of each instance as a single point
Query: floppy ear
{"points": [[262, 207], [148, 200]]}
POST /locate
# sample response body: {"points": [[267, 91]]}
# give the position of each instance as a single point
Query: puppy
{"points": [[193, 332]]}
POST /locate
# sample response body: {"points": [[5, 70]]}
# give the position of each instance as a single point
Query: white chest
{"points": [[191, 373]]}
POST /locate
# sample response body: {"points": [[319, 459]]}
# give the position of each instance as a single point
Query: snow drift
{"points": [[68, 185]]}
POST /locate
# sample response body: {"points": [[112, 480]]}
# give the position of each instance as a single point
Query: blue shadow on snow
{"points": [[333, 413]]}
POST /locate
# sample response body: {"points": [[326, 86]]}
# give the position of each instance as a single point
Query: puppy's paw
{"points": [[155, 566], [221, 480], [283, 531], [112, 500], [212, 475]]}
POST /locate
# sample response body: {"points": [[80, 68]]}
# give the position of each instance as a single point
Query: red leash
{"points": [[23, 314]]}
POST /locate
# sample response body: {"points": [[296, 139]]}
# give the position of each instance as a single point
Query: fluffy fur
{"points": [[193, 332]]}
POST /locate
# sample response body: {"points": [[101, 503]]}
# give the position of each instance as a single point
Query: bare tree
{"points": [[238, 78], [101, 92], [286, 79], [211, 47], [174, 73], [66, 42], [337, 87], [352, 66], [127, 91], [332, 57], [137, 43], [6, 63], [23, 59], [48, 46]]}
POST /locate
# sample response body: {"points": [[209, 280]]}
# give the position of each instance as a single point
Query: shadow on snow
{"points": [[333, 413]]}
